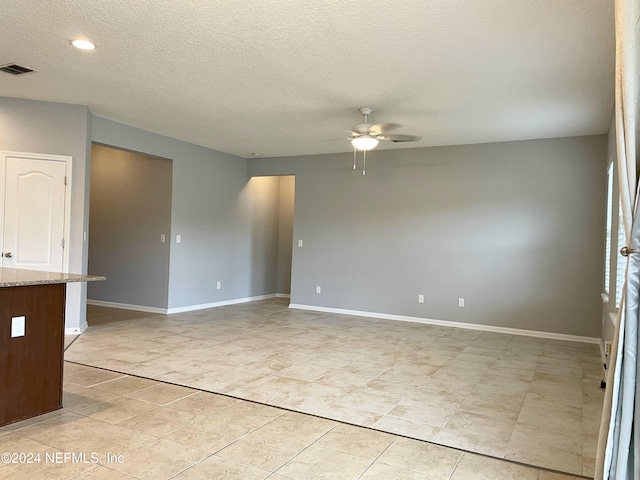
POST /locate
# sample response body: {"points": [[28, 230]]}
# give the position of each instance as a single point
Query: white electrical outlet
{"points": [[17, 326], [178, 238], [299, 243], [420, 298], [219, 285], [318, 289], [162, 238], [461, 302]]}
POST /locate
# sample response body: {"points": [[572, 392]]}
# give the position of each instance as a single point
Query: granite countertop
{"points": [[12, 277]]}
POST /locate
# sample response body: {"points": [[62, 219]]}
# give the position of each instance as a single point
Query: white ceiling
{"points": [[286, 77]]}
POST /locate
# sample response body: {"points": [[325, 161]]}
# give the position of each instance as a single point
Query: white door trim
{"points": [[68, 160]]}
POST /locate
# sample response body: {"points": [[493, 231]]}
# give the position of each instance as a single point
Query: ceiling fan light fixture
{"points": [[364, 142]]}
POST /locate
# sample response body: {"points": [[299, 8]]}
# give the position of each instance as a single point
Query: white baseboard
{"points": [[283, 295], [203, 306], [127, 306], [75, 331], [447, 323], [187, 308]]}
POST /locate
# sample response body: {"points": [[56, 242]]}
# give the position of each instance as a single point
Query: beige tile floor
{"points": [[524, 399], [116, 427]]}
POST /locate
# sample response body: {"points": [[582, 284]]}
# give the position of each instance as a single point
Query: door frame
{"points": [[68, 161]]}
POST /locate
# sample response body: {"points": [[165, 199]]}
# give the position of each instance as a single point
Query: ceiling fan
{"points": [[365, 136]]}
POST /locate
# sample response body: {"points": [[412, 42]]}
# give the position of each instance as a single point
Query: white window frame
{"points": [[608, 239]]}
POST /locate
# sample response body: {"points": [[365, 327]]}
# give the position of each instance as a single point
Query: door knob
{"points": [[8, 254]]}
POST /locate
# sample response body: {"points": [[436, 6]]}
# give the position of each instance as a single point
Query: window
{"points": [[607, 251], [622, 261]]}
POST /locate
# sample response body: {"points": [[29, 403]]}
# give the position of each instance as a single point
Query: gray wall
{"points": [[515, 228], [52, 128], [130, 208], [285, 233], [213, 211]]}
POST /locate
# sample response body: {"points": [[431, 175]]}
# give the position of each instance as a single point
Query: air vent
{"points": [[14, 69]]}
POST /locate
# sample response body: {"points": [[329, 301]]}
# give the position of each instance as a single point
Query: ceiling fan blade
{"points": [[382, 128], [399, 138]]}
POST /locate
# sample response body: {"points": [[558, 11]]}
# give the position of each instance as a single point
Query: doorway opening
{"points": [[272, 200], [130, 229], [285, 234]]}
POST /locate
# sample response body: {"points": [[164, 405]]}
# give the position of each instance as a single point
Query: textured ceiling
{"points": [[286, 77]]}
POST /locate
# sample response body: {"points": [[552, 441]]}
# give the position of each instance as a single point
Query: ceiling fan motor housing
{"points": [[362, 128]]}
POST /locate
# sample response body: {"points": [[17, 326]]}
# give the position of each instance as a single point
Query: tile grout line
{"points": [[377, 457], [229, 444], [71, 343], [456, 466], [307, 447]]}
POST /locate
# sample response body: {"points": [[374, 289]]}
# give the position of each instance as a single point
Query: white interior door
{"points": [[35, 212]]}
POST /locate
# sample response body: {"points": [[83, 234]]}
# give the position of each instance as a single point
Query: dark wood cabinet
{"points": [[31, 365]]}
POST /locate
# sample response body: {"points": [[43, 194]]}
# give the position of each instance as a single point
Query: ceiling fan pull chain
{"points": [[364, 162], [354, 158]]}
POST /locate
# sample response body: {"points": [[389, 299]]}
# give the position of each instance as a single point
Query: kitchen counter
{"points": [[12, 277]]}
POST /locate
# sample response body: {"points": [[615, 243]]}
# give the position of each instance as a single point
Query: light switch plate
{"points": [[17, 326]]}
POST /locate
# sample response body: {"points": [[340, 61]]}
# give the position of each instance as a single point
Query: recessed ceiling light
{"points": [[83, 44]]}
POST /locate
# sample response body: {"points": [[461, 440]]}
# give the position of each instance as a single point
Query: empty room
{"points": [[316, 240]]}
